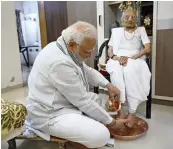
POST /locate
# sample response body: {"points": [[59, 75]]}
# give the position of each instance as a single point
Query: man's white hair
{"points": [[78, 35]]}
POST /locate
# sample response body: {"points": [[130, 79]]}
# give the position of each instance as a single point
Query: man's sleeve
{"points": [[64, 77], [94, 77]]}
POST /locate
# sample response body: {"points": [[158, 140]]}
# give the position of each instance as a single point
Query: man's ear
{"points": [[72, 45]]}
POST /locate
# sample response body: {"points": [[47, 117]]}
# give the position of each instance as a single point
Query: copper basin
{"points": [[139, 129]]}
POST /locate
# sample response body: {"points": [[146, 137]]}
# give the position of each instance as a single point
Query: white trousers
{"points": [[79, 128], [133, 80]]}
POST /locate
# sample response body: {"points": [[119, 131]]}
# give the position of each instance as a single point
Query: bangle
{"points": [[113, 56], [112, 123]]}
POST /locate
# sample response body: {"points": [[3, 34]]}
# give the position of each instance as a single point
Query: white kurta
{"points": [[56, 88], [133, 80]]}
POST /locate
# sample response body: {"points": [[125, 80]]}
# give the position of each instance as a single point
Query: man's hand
{"points": [[117, 124], [113, 91], [123, 60]]}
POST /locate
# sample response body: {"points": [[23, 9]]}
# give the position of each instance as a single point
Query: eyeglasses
{"points": [[91, 49], [86, 50], [133, 17]]}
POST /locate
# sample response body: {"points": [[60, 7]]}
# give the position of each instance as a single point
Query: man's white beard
{"points": [[78, 56]]}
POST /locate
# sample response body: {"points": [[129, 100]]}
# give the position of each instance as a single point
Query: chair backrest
{"points": [[105, 45]]}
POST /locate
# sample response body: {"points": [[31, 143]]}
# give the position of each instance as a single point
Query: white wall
{"points": [[165, 10], [31, 10], [10, 60], [18, 5], [30, 7], [31, 29], [165, 15]]}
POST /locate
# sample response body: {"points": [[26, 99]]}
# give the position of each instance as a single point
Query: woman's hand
{"points": [[123, 60]]}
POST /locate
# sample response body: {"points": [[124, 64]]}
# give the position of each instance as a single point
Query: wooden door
{"points": [[53, 19]]}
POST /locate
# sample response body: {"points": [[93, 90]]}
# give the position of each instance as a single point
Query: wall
{"points": [[18, 5], [165, 15], [83, 11], [164, 50], [32, 28], [111, 14], [109, 17], [30, 7], [30, 10], [10, 59], [166, 10]]}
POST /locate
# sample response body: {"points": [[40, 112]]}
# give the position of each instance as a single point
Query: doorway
{"points": [[38, 23], [28, 29]]}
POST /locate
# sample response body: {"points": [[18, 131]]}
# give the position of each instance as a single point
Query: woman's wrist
{"points": [[143, 52]]}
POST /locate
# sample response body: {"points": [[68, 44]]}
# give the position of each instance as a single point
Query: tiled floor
{"points": [[159, 136]]}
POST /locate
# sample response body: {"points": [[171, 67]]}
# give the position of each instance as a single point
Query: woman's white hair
{"points": [[79, 31]]}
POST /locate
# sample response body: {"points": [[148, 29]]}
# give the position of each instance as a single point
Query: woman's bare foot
{"points": [[121, 114], [131, 120]]}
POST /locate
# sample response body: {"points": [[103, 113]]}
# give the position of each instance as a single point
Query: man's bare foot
{"points": [[131, 120], [121, 114]]}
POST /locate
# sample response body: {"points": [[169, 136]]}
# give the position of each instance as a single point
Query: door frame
{"points": [[42, 19]]}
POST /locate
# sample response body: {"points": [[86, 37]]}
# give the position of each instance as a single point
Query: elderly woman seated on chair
{"points": [[126, 66]]}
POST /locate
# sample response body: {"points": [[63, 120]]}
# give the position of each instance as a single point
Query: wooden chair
{"points": [[60, 142], [107, 76]]}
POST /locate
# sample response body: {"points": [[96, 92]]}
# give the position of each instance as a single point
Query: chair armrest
{"points": [[96, 59], [104, 44], [148, 61]]}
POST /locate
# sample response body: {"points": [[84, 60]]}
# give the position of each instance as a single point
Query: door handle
{"points": [[100, 20]]}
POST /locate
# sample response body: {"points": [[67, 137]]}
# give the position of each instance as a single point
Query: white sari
{"points": [[133, 80]]}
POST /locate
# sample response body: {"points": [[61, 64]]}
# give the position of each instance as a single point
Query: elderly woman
{"points": [[59, 101], [126, 66]]}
